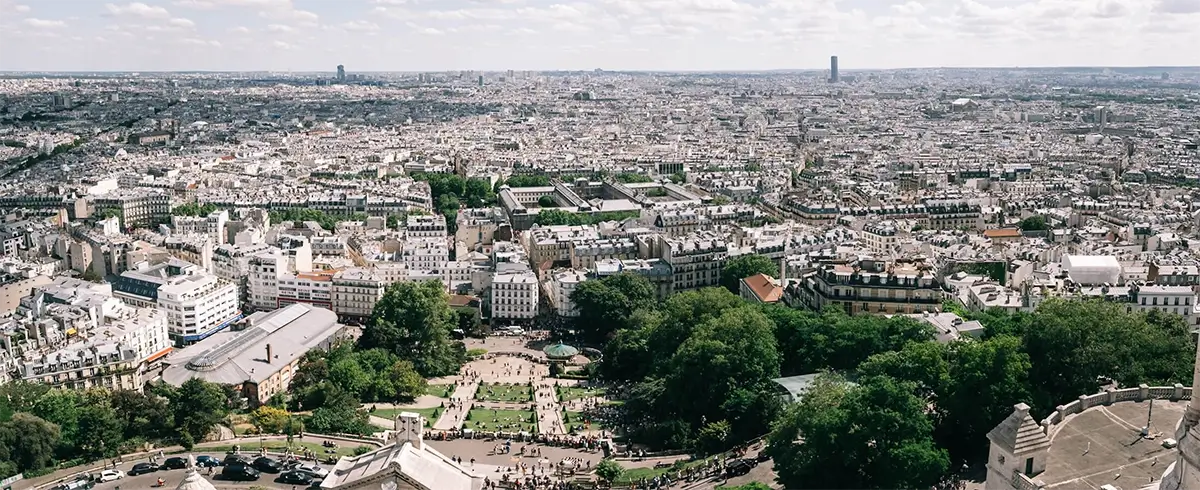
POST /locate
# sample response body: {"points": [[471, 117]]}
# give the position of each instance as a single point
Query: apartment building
{"points": [[880, 238], [135, 207], [231, 263], [333, 245], [425, 254], [477, 228], [553, 243], [19, 279], [585, 253], [696, 260], [514, 296], [266, 270], [657, 271], [869, 287], [425, 226], [677, 222], [946, 214], [559, 287], [315, 288], [77, 336], [196, 302], [355, 292], [212, 225]]}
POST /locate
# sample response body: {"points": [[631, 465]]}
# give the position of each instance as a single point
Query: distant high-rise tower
{"points": [[480, 80], [341, 76], [833, 71]]}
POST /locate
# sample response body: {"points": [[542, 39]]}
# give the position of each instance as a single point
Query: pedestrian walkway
{"points": [[460, 403], [549, 416]]}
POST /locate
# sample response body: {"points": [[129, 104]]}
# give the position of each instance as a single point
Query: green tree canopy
{"points": [[744, 266], [605, 305], [413, 320], [874, 435]]}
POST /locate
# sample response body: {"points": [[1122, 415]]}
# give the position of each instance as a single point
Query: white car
{"points": [[317, 472], [110, 475]]}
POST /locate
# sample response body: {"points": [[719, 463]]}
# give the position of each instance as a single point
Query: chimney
{"points": [[269, 357]]}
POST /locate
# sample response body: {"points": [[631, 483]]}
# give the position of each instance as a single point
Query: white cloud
{"points": [[280, 28], [182, 22], [909, 8], [44, 23], [21, 8], [430, 31], [281, 45], [138, 9], [240, 30], [302, 17], [359, 26], [1177, 6]]}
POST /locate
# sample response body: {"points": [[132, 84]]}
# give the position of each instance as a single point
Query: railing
{"points": [[1139, 393], [1022, 482]]}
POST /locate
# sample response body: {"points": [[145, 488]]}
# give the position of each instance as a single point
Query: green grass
{"points": [[577, 418], [568, 393], [504, 393], [440, 391], [481, 419], [343, 449], [430, 414], [632, 475]]}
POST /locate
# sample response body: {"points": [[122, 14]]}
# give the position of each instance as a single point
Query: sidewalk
{"points": [[453, 418], [549, 420]]}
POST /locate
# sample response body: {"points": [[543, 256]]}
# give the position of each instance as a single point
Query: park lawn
{"points": [[577, 418], [440, 391], [504, 393], [430, 414], [632, 475], [343, 449], [481, 419], [568, 393]]}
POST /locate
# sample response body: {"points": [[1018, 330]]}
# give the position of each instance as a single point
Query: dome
{"points": [[192, 480], [560, 351]]}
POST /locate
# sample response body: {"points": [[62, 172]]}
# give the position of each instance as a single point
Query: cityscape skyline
{"points": [[658, 35]]}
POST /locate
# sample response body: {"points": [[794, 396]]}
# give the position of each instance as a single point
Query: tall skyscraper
{"points": [[341, 76], [833, 71]]}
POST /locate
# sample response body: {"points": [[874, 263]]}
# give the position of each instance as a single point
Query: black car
{"points": [[175, 463], [295, 478], [738, 468], [241, 459], [142, 468], [239, 472], [267, 465]]}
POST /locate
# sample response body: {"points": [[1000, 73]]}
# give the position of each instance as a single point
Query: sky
{"points": [[434, 35]]}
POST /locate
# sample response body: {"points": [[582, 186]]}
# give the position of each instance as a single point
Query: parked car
{"points": [[268, 465], [239, 472], [175, 463], [738, 468], [295, 478], [238, 459], [206, 461], [142, 468], [110, 475], [312, 469]]}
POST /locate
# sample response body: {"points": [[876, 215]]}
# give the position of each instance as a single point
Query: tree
{"points": [[61, 408], [270, 420], [19, 396], [609, 470], [749, 486], [925, 364], [29, 442], [199, 406], [142, 415], [407, 383], [713, 438], [605, 305], [1071, 344], [684, 313], [349, 375], [744, 266], [546, 201], [99, 432], [874, 435], [633, 178], [986, 379], [1033, 223], [414, 320]]}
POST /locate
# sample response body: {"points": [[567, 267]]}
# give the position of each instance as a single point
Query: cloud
{"points": [[430, 31], [43, 23], [1177, 6], [138, 9], [302, 17], [280, 28], [208, 4], [181, 22], [909, 8], [240, 29], [359, 26], [21, 8], [281, 45]]}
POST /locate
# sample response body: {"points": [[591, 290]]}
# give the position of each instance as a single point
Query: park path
{"points": [[462, 399], [549, 415]]}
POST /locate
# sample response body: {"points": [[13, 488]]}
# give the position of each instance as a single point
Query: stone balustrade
{"points": [[1110, 396], [1022, 482]]}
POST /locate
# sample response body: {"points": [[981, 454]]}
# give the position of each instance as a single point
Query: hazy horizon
{"points": [[314, 36]]}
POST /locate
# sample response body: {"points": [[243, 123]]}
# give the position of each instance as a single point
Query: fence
{"points": [[1110, 396]]}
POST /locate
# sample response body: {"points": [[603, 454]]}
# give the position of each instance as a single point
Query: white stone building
{"points": [[514, 296]]}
